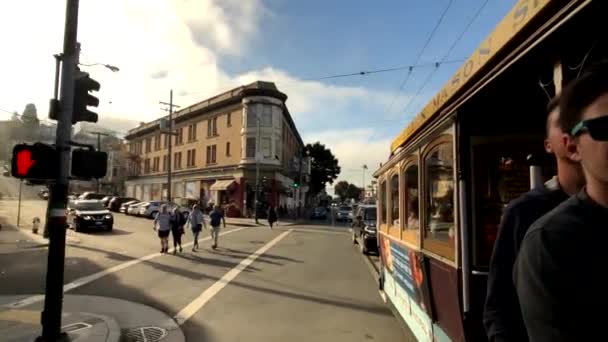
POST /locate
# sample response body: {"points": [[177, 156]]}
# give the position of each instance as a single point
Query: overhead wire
{"points": [[421, 51], [445, 56]]}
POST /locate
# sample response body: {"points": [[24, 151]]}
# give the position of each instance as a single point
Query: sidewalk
{"points": [[14, 240], [90, 318]]}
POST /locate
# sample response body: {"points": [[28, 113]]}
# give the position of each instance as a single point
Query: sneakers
{"points": [[180, 249]]}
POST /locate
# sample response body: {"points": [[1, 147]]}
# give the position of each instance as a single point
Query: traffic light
{"points": [[87, 164], [35, 162], [296, 185], [83, 84]]}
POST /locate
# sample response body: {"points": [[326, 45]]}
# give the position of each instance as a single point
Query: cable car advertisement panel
{"points": [[406, 285]]}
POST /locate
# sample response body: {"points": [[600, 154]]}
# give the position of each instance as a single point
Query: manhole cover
{"points": [[145, 334]]}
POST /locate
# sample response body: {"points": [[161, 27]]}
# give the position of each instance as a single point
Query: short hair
{"points": [[580, 93]]}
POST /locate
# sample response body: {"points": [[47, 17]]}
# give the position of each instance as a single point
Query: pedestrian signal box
{"points": [[88, 164], [35, 162]]}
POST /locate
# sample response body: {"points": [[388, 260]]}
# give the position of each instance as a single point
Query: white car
{"points": [[150, 209], [133, 209], [345, 213]]}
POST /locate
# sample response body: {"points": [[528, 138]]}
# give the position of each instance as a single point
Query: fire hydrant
{"points": [[35, 225]]}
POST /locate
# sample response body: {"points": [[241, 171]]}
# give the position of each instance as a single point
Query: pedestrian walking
{"points": [[177, 229], [272, 216], [216, 218], [197, 222], [162, 223]]}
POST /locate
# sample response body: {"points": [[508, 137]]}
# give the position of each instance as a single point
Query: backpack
{"points": [[216, 218]]}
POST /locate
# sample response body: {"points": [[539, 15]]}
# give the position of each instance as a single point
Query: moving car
{"points": [[319, 213], [345, 213], [365, 235], [89, 214]]}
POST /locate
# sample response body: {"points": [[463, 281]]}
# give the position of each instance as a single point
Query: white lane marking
{"points": [[90, 278], [320, 231], [213, 290]]}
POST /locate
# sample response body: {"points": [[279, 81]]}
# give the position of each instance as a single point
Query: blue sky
{"points": [[207, 46]]}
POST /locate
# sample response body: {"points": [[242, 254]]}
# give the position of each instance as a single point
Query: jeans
{"points": [[215, 232]]}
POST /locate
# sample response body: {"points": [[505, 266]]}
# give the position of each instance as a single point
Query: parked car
{"points": [[344, 214], [125, 206], [133, 209], [150, 209], [89, 195], [106, 200], [116, 202], [89, 214], [319, 213], [365, 235]]}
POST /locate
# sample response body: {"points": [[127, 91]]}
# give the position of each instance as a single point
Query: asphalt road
{"points": [[293, 283]]}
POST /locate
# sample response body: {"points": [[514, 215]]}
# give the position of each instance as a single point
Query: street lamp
{"points": [[108, 66]]}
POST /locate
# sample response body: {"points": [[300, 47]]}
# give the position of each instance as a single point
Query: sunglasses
{"points": [[597, 128]]}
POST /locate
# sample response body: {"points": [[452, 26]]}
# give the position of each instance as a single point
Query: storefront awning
{"points": [[221, 185]]}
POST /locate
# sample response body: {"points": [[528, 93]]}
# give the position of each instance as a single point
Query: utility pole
{"points": [[99, 134], [53, 299], [169, 136], [257, 169], [364, 168]]}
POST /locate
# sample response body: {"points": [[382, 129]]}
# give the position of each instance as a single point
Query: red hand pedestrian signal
{"points": [[36, 162], [24, 162]]}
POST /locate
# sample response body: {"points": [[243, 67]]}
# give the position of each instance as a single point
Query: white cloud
{"points": [[353, 148]]}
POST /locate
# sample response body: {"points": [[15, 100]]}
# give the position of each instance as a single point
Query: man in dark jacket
{"points": [[559, 273], [502, 316]]}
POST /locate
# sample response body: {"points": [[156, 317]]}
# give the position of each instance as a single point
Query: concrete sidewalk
{"points": [[89, 318], [14, 240]]}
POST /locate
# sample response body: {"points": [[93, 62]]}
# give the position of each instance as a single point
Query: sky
{"points": [[200, 48]]}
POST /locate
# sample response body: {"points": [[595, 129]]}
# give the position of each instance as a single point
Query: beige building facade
{"points": [[214, 149]]}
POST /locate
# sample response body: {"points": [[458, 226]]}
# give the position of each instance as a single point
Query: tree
{"points": [[353, 191], [30, 121], [340, 189], [324, 167]]}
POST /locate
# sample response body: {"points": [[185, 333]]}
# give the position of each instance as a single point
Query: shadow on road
{"points": [[115, 231]]}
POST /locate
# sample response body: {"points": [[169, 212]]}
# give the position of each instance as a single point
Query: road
{"points": [[292, 283]]}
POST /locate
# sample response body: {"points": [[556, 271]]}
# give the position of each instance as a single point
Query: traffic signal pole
{"points": [[53, 300]]}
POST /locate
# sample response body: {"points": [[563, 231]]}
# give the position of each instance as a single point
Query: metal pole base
{"points": [[63, 337]]}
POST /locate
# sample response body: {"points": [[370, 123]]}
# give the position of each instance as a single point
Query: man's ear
{"points": [[572, 148], [548, 146]]}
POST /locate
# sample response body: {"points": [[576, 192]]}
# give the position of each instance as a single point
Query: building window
{"points": [[147, 165], [179, 138], [229, 120], [395, 200], [250, 152], [212, 127], [278, 148], [156, 164], [167, 137], [165, 162], [252, 112], [266, 119], [114, 172], [191, 132], [191, 158], [228, 149], [157, 143], [266, 148], [148, 145], [439, 174], [211, 154], [177, 162]]}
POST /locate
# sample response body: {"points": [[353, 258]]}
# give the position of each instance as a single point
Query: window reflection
{"points": [[440, 194], [395, 199], [411, 191], [382, 197]]}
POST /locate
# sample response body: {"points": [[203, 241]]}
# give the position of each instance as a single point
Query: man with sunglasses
{"points": [[502, 315], [559, 274]]}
